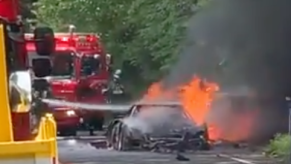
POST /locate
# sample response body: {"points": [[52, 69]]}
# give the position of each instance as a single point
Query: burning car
{"points": [[157, 127]]}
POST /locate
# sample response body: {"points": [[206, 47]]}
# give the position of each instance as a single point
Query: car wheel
{"points": [[115, 136], [119, 137], [111, 132], [96, 124], [121, 141]]}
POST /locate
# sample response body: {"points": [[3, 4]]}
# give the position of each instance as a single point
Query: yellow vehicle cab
{"points": [[41, 149]]}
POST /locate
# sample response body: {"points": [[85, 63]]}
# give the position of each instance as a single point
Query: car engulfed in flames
{"points": [[158, 123], [157, 127]]}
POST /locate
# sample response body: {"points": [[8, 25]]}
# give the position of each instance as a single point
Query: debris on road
{"points": [[181, 157]]}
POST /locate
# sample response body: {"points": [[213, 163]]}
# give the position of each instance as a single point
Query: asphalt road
{"points": [[80, 151]]}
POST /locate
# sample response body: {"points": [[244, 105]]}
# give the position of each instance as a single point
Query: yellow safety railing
{"points": [[44, 145], [48, 132]]}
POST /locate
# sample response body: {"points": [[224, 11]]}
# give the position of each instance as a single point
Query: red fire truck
{"points": [[80, 72]]}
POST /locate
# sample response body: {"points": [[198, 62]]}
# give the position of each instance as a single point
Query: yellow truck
{"points": [[42, 147], [23, 140]]}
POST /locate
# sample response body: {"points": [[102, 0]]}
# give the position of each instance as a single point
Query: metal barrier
{"points": [[42, 150]]}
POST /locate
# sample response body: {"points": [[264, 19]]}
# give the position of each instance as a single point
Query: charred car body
{"points": [[156, 127]]}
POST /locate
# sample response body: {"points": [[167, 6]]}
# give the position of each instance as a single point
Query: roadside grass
{"points": [[279, 147]]}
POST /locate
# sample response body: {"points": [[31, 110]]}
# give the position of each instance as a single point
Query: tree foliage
{"points": [[142, 35]]}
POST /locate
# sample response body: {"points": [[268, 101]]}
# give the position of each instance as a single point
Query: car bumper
{"points": [[87, 116]]}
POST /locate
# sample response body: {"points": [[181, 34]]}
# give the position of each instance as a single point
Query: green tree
{"points": [[142, 35]]}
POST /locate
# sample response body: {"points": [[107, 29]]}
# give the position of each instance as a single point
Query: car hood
{"points": [[163, 128]]}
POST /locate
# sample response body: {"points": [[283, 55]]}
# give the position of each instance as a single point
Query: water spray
{"points": [[85, 106]]}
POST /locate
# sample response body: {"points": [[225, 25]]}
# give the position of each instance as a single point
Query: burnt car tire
{"points": [[120, 139], [68, 132], [111, 131]]}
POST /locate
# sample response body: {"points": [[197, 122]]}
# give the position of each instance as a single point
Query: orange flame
{"points": [[196, 98], [154, 92]]}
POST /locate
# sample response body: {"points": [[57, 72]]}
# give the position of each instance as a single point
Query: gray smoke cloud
{"points": [[250, 39], [245, 46]]}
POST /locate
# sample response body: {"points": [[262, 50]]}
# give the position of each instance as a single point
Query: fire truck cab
{"points": [[80, 72]]}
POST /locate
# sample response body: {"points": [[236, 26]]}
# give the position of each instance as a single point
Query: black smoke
{"points": [[244, 45]]}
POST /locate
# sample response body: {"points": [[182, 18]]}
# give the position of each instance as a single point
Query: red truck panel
{"points": [[9, 9]]}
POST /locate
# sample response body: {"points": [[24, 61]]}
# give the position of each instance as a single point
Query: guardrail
{"points": [[41, 150]]}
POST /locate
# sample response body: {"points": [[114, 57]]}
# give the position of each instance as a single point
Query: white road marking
{"points": [[236, 159], [81, 138]]}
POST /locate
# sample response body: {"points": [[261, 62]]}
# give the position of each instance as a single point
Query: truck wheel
{"points": [[68, 132], [96, 124], [99, 125]]}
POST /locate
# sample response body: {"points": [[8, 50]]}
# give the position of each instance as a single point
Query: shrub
{"points": [[280, 147]]}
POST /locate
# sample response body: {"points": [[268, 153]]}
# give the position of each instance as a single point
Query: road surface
{"points": [[80, 151]]}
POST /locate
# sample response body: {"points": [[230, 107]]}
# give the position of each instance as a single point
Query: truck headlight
{"points": [[71, 113]]}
